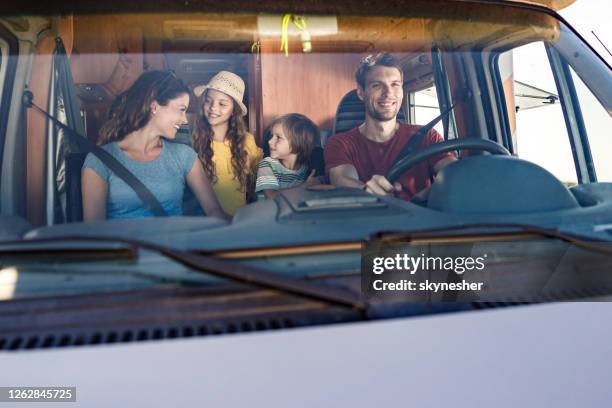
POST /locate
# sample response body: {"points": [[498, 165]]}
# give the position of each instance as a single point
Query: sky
{"points": [[592, 15]]}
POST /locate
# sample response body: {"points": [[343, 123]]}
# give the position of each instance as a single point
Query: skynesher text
{"points": [[407, 285]]}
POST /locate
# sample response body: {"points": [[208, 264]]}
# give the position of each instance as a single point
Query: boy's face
{"points": [[280, 148]]}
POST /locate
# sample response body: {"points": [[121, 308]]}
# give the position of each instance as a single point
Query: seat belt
{"points": [[84, 144], [416, 139]]}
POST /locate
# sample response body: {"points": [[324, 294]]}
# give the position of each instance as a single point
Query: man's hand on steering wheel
{"points": [[380, 185]]}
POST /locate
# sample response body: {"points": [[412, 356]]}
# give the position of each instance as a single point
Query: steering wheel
{"points": [[403, 164]]}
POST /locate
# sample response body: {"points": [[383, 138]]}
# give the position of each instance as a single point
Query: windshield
{"points": [[282, 141]]}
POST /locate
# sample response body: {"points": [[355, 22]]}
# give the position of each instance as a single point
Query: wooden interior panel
{"points": [[107, 50], [314, 83], [310, 84], [36, 131], [464, 114], [254, 103], [66, 30], [511, 108], [390, 34], [152, 40]]}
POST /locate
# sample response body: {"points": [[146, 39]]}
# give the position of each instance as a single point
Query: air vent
{"points": [[95, 337]]}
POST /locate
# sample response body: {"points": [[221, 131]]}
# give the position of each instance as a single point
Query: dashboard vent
{"points": [[111, 336]]}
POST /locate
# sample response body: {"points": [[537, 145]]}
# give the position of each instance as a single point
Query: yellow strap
{"points": [[256, 47], [284, 34], [298, 21]]}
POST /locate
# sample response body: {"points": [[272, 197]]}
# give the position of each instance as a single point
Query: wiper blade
{"points": [[75, 250], [511, 229], [226, 269]]}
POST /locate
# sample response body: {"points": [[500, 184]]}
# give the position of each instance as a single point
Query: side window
{"points": [[424, 107], [536, 118], [597, 123]]}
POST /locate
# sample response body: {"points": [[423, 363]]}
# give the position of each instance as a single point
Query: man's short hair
{"points": [[373, 60]]}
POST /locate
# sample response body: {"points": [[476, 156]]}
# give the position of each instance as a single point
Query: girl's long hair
{"points": [[131, 110], [202, 139]]}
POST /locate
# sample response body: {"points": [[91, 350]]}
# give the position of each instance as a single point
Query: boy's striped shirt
{"points": [[272, 175]]}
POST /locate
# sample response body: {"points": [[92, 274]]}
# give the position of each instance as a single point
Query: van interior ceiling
{"points": [[108, 52]]}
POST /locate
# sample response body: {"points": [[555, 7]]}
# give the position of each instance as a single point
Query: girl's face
{"points": [[168, 119], [217, 107], [280, 148]]}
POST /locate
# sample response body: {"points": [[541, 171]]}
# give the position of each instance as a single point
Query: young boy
{"points": [[294, 136]]}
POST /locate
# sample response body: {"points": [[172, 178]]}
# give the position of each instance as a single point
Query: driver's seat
{"points": [[351, 113]]}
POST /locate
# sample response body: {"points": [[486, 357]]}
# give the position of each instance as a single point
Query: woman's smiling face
{"points": [[217, 107], [168, 119]]}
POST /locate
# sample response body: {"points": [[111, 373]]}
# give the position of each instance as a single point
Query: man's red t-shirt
{"points": [[370, 157]]}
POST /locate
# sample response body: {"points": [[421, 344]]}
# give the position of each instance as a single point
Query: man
{"points": [[363, 156]]}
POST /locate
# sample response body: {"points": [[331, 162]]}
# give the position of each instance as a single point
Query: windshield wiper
{"points": [[511, 229], [224, 269], [76, 251]]}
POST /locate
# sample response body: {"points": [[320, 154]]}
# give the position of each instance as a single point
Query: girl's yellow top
{"points": [[227, 186]]}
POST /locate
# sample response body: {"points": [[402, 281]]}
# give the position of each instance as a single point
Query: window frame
{"points": [[570, 107], [9, 49], [444, 94], [500, 99], [572, 113]]}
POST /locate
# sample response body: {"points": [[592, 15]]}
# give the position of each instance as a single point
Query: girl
{"points": [[293, 138], [141, 120], [227, 151]]}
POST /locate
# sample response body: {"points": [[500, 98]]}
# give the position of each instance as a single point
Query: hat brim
{"points": [[199, 91]]}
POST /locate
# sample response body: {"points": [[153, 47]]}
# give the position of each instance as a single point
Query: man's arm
{"points": [[440, 164], [346, 175], [443, 159]]}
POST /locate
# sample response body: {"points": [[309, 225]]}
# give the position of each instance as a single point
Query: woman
{"points": [[140, 121], [227, 151]]}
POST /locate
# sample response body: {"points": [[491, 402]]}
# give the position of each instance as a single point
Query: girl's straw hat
{"points": [[228, 83]]}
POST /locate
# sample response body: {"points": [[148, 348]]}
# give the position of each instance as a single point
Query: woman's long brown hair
{"points": [[202, 139], [131, 110]]}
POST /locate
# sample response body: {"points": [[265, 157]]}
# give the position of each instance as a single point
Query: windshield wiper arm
{"points": [[78, 251], [225, 269], [575, 239]]}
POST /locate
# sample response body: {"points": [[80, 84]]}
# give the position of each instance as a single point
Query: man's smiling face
{"points": [[383, 93]]}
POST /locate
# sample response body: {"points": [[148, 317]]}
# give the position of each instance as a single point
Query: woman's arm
{"points": [[94, 192], [202, 189]]}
